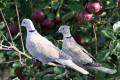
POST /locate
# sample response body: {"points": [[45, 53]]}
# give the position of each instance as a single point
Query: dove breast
{"points": [[39, 48]]}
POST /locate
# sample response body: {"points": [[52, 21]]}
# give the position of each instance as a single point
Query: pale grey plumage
{"points": [[79, 55], [44, 50]]}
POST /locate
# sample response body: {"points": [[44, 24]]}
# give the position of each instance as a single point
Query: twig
{"points": [[5, 49], [8, 62], [19, 52], [6, 26], [31, 4], [15, 49], [19, 27], [94, 30], [5, 38]]}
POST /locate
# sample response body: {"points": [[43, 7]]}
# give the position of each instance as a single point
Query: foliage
{"points": [[106, 26]]}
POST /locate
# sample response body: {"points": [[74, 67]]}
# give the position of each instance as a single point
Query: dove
{"points": [[44, 50], [78, 53]]}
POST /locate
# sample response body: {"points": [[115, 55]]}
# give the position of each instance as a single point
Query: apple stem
{"points": [[58, 11]]}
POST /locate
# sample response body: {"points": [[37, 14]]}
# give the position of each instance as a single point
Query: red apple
{"points": [[101, 9], [57, 20], [12, 28], [76, 21], [93, 7], [83, 15], [119, 3], [38, 15], [47, 24]]}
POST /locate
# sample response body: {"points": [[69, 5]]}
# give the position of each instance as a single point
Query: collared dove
{"points": [[44, 50], [79, 55]]}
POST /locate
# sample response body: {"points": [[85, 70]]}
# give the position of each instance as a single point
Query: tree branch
{"points": [[94, 30], [8, 62], [6, 26], [19, 27], [19, 52]]}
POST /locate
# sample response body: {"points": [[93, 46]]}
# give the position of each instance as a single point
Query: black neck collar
{"points": [[68, 37], [31, 30]]}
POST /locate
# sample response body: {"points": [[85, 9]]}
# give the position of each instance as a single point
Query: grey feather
{"points": [[79, 55]]}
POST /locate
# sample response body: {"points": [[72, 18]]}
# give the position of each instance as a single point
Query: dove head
{"points": [[64, 29], [27, 23]]}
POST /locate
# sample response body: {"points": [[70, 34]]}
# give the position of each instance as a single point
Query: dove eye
{"points": [[24, 22], [63, 28]]}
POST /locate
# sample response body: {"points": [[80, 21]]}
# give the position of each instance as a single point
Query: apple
{"points": [[93, 7], [119, 3], [38, 15], [57, 20], [84, 16], [47, 24], [101, 9], [76, 21], [12, 28]]}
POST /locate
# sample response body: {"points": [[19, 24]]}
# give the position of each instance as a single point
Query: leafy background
{"points": [[107, 26]]}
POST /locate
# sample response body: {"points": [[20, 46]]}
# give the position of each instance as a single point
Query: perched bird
{"points": [[44, 50], [79, 55]]}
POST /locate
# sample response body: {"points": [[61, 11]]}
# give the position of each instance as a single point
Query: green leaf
{"points": [[108, 33], [16, 78], [57, 70], [16, 65], [74, 5], [118, 45], [68, 16], [112, 45], [50, 16], [49, 69], [100, 75], [48, 77], [44, 5], [2, 5], [55, 5], [28, 62], [2, 25], [116, 27], [2, 58]]}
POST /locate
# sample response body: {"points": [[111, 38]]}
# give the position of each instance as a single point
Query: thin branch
{"points": [[6, 26], [5, 37], [5, 49], [94, 30], [8, 62], [31, 4], [19, 52], [19, 27]]}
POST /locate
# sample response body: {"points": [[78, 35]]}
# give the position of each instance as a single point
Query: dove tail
{"points": [[103, 69], [69, 63]]}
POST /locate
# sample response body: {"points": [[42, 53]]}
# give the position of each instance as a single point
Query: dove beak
{"points": [[21, 25]]}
